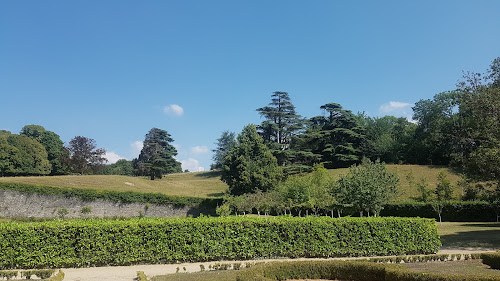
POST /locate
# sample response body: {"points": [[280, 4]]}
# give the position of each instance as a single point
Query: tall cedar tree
{"points": [[281, 125], [157, 156], [85, 157], [334, 140], [250, 166]]}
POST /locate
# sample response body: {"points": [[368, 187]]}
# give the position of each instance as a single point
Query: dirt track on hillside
{"points": [[128, 273]]}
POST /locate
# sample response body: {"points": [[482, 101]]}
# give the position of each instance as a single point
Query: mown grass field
{"points": [[469, 235], [208, 184]]}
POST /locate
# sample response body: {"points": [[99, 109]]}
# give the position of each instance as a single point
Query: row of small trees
{"points": [[365, 189]]}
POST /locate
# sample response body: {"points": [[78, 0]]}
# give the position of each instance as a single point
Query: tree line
{"points": [[458, 128], [264, 164], [36, 151]]}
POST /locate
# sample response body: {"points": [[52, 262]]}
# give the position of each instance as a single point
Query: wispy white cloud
{"points": [[173, 109], [136, 148], [112, 157], [192, 165], [199, 149], [397, 108]]}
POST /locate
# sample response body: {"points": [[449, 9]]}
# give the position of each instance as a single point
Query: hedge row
{"points": [[491, 259], [96, 242], [116, 196], [346, 270], [466, 211]]}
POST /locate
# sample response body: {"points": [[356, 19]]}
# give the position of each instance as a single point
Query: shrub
{"points": [[8, 274], [346, 270], [96, 242], [491, 259], [141, 276]]}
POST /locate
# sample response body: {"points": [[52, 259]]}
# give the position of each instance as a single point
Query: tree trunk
{"points": [[360, 214]]}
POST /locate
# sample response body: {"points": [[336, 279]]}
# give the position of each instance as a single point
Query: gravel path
{"points": [[128, 273]]}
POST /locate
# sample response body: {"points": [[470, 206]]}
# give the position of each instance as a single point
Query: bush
{"points": [[96, 242], [8, 274], [346, 270], [491, 259]]}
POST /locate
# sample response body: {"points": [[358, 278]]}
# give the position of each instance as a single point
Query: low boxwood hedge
{"points": [[346, 270], [491, 259], [95, 242]]}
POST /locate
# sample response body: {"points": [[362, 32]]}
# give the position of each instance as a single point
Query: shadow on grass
{"points": [[211, 174], [474, 239], [219, 194]]}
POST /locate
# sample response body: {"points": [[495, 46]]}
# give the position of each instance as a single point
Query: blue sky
{"points": [[112, 70]]}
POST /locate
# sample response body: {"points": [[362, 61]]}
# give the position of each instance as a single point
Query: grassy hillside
{"points": [[208, 184], [202, 184]]}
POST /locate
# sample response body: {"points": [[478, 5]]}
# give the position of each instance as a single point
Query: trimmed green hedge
{"points": [[208, 204], [345, 270], [96, 242], [466, 211], [491, 259]]}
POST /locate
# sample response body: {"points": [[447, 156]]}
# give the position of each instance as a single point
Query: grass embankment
{"points": [[208, 184], [201, 184]]}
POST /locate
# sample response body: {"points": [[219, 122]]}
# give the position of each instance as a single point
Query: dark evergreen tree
{"points": [[224, 144], [250, 166], [334, 140], [282, 124], [157, 156]]}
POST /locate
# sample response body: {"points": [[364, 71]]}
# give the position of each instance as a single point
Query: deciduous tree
{"points": [[85, 157]]}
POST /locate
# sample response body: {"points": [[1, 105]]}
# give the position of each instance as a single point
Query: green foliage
{"points": [[313, 191], [85, 157], [40, 273], [334, 140], [388, 138], [21, 155], [250, 166], [93, 242], [452, 210], [224, 144], [56, 152], [86, 210], [8, 274], [367, 187], [121, 167], [491, 259], [346, 270], [157, 156], [141, 276]]}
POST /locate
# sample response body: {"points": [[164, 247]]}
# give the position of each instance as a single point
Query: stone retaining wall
{"points": [[18, 204]]}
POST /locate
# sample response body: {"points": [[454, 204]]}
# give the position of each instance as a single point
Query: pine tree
{"points": [[157, 156]]}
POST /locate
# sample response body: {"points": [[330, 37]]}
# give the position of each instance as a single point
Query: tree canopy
{"points": [[157, 156], [85, 157], [250, 166]]}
